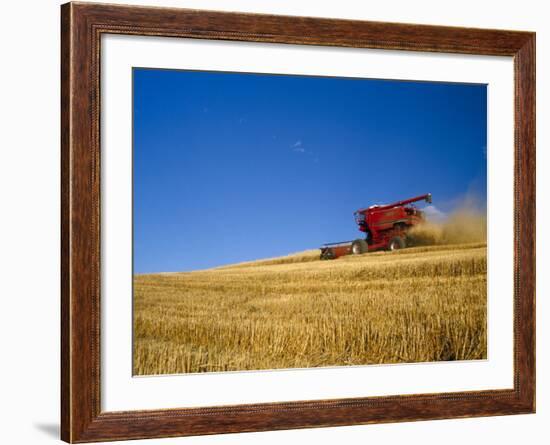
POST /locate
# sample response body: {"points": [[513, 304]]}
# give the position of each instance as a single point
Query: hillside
{"points": [[414, 305]]}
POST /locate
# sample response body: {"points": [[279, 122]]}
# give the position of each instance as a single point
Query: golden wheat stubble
{"points": [[416, 305]]}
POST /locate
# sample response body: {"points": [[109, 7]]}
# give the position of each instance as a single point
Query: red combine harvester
{"points": [[385, 227]]}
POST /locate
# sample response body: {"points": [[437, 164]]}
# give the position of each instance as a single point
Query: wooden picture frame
{"points": [[82, 25]]}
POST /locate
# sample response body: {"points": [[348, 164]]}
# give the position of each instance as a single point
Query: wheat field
{"points": [[414, 305]]}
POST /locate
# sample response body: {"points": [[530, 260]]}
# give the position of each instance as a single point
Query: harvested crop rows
{"points": [[415, 305]]}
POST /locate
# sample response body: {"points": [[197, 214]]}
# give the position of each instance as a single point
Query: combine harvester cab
{"points": [[385, 228]]}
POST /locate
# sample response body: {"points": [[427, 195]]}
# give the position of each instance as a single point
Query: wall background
{"points": [[29, 219]]}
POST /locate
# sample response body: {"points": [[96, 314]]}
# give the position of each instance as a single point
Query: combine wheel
{"points": [[396, 243], [359, 246]]}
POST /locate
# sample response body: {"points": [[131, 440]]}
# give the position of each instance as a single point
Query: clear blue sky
{"points": [[231, 167]]}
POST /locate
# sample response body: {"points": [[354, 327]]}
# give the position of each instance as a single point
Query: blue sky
{"points": [[230, 167]]}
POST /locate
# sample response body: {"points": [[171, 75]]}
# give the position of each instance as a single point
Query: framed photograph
{"points": [[274, 222]]}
